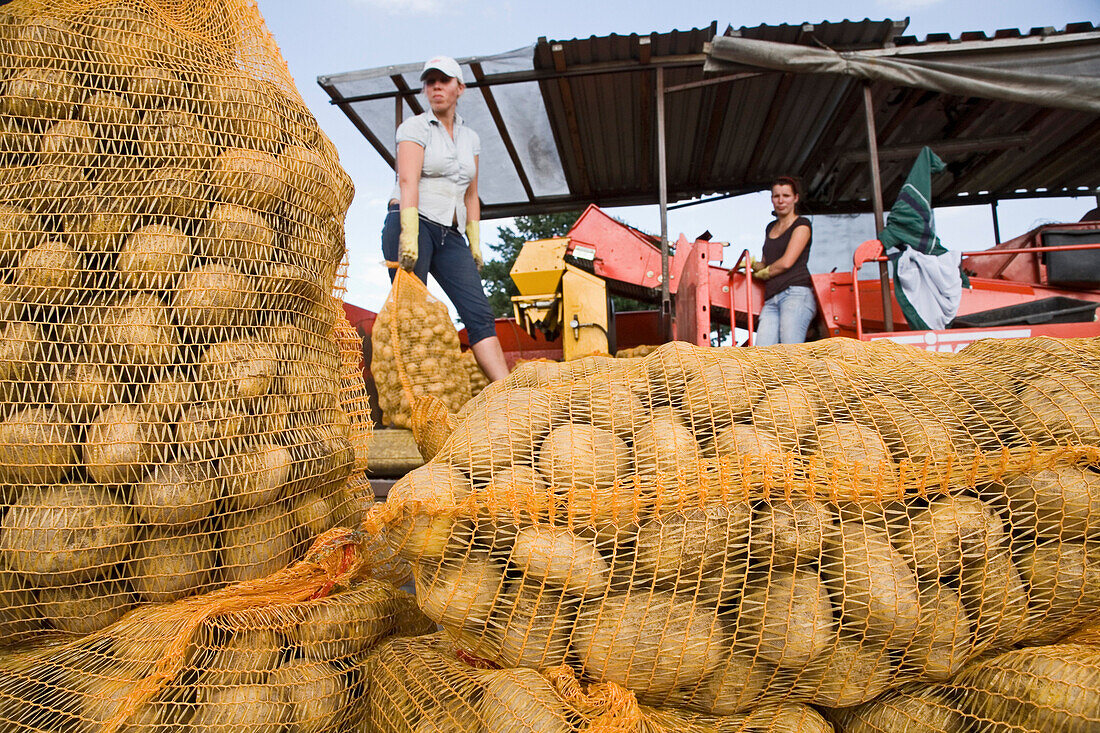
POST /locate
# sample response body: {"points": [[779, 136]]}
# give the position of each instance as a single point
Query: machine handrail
{"points": [[745, 255], [857, 263]]}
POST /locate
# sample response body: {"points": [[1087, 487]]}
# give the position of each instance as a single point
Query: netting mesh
{"points": [[478, 380], [287, 652], [181, 403], [415, 352], [715, 530]]}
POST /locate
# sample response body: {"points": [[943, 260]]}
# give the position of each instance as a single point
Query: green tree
{"points": [[495, 273]]}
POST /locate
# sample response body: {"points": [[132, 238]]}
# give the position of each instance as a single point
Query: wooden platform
{"points": [[392, 453]]}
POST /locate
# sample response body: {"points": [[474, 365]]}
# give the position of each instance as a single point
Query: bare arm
{"points": [[800, 237], [410, 161], [473, 204]]}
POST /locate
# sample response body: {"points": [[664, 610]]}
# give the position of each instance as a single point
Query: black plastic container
{"points": [[1058, 309], [1074, 267]]}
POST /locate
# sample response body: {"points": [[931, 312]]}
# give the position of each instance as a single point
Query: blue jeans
{"points": [[786, 316], [443, 253]]}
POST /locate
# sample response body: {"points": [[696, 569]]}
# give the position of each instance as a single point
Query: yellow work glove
{"points": [[763, 273], [473, 233], [408, 247]]}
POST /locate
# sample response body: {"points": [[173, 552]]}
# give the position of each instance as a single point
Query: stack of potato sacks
{"points": [[178, 405], [720, 531], [415, 352]]}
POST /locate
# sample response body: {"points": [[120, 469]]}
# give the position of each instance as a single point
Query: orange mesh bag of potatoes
{"points": [[1029, 690], [283, 653], [415, 352], [716, 529], [422, 684], [180, 399]]}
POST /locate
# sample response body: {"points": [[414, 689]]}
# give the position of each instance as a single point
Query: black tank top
{"points": [[799, 273]]}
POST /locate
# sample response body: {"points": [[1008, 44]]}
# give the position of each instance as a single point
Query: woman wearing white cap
{"points": [[434, 200]]}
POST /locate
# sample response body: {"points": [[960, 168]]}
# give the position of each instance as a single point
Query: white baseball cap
{"points": [[445, 64]]}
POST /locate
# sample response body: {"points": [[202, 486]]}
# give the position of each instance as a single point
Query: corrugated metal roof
{"points": [[572, 122]]}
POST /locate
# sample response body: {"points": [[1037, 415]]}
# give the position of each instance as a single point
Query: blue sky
{"points": [[330, 36]]}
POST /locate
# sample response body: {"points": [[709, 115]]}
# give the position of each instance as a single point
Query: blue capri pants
{"points": [[443, 253]]}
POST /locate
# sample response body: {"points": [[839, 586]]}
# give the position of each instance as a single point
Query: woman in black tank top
{"points": [[789, 304]]}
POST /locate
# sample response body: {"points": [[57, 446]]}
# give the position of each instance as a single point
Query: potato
{"points": [[951, 534], [522, 699], [684, 546], [1063, 581], [736, 441], [789, 621], [211, 429], [102, 693], [503, 432], [256, 543], [121, 39], [110, 116], [851, 450], [238, 370], [316, 513], [607, 403], [69, 142], [153, 257], [252, 708], [534, 626], [22, 353], [316, 692], [911, 709], [944, 639], [666, 450], [245, 657], [426, 532], [650, 643], [517, 493], [256, 476], [346, 624], [850, 673], [879, 589], [174, 137], [310, 184], [39, 93], [39, 40], [210, 298], [461, 595], [1060, 502], [48, 275], [790, 533], [104, 229], [81, 390], [1052, 688], [20, 617], [65, 533], [557, 556], [719, 393], [20, 230], [788, 411], [86, 608], [995, 599], [735, 686], [175, 190], [37, 446], [121, 444], [169, 564], [1059, 408], [237, 234], [139, 333], [584, 463], [248, 177], [239, 112]]}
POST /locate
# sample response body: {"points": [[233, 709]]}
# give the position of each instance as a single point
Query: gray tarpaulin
{"points": [[1055, 71]]}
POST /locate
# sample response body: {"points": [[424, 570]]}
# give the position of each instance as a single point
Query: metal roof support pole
{"points": [[662, 185], [880, 212], [996, 222]]}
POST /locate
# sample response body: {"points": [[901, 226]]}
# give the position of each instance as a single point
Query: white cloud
{"points": [[410, 7]]}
